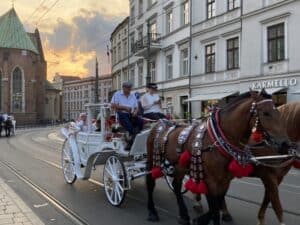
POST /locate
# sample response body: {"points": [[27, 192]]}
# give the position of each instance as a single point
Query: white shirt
{"points": [[120, 99], [148, 103], [82, 125]]}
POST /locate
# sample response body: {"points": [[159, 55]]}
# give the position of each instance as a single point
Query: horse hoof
{"points": [[153, 217], [183, 221], [227, 218]]}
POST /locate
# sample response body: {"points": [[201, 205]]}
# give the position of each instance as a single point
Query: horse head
{"points": [[262, 121]]}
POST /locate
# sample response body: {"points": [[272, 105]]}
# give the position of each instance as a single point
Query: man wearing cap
{"points": [[151, 103], [82, 123], [126, 106]]}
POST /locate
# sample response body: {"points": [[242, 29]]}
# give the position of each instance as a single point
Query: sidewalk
{"points": [[13, 211]]}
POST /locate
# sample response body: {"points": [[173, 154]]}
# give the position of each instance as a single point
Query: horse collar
{"points": [[227, 149]]}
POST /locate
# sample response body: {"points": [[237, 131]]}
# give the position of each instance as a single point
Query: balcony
{"points": [[140, 46]]}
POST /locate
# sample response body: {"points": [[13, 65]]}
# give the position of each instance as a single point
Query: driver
{"points": [[125, 104]]}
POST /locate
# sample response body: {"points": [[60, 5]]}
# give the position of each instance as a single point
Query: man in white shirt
{"points": [[126, 106], [151, 103]]}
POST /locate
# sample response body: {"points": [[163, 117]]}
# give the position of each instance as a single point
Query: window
{"points": [[169, 20], [232, 4], [17, 90], [125, 75], [119, 52], [233, 53], [140, 74], [132, 76], [125, 49], [184, 62], [153, 31], [140, 32], [211, 8], [276, 42], [169, 67], [151, 3], [141, 7], [132, 15], [210, 58], [114, 58], [185, 13], [153, 71], [132, 43]]}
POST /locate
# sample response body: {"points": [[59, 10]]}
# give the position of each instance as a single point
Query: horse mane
{"points": [[242, 97]]}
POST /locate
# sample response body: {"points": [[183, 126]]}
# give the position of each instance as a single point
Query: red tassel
{"points": [[185, 158], [296, 164], [240, 171], [156, 172], [191, 186], [257, 136], [202, 188]]}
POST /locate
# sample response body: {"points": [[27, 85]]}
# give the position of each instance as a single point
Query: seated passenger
{"points": [[151, 103], [125, 104], [82, 123]]}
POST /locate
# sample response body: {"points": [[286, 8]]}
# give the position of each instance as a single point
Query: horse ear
{"points": [[263, 92]]}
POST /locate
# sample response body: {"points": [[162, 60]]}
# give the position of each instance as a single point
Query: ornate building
{"points": [[22, 71]]}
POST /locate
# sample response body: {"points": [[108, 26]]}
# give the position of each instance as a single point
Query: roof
{"points": [[126, 20], [50, 86], [13, 34]]}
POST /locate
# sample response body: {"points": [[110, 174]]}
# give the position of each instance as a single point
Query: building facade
{"points": [[77, 93], [158, 40], [229, 47], [53, 104], [22, 71], [239, 45]]}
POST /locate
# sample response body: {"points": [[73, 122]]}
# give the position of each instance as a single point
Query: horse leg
{"points": [[197, 204], [226, 216], [263, 208], [214, 205], [271, 186], [184, 218], [150, 182]]}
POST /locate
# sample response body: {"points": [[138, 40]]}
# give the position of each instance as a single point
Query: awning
{"points": [[211, 96], [271, 91]]}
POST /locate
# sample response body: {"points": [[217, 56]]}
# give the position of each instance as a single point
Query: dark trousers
{"points": [[132, 124], [154, 116]]}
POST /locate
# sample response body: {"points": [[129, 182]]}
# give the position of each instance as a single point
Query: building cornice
{"points": [[274, 18]]}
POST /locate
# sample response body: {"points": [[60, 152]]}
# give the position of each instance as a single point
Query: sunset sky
{"points": [[72, 32]]}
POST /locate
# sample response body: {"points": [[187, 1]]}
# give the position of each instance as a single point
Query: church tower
{"points": [[23, 71]]}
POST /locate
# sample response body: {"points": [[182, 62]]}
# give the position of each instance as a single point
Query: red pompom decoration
{"points": [[196, 188], [202, 188], [257, 136], [239, 170], [185, 158], [191, 186], [156, 172], [296, 163]]}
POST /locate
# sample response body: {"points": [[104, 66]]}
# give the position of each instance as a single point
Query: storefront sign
{"points": [[274, 83]]}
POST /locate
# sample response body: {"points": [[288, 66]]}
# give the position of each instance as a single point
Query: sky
{"points": [[73, 32]]}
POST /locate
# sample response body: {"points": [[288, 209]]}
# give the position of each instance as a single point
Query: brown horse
{"points": [[235, 123], [273, 176]]}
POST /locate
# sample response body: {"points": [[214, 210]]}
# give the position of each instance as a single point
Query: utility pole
{"points": [[96, 83], [148, 77]]}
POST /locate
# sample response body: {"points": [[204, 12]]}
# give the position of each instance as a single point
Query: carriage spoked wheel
{"points": [[114, 179], [170, 179], [67, 163]]}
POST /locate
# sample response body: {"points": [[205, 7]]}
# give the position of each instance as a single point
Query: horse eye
{"points": [[267, 114]]}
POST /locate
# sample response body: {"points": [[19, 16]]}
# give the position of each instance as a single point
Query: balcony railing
{"points": [[143, 43]]}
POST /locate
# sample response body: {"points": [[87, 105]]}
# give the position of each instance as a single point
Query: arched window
{"points": [[17, 90]]}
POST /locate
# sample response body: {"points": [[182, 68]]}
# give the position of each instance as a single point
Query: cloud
{"points": [[76, 43]]}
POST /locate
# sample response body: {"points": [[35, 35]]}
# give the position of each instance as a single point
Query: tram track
{"points": [[73, 215]]}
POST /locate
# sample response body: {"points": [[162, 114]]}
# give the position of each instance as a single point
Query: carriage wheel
{"points": [[67, 163], [114, 179], [170, 179]]}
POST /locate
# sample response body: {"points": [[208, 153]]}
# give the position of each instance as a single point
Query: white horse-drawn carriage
{"points": [[82, 151]]}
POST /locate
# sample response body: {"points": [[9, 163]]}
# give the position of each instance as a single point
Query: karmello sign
{"points": [[287, 82]]}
